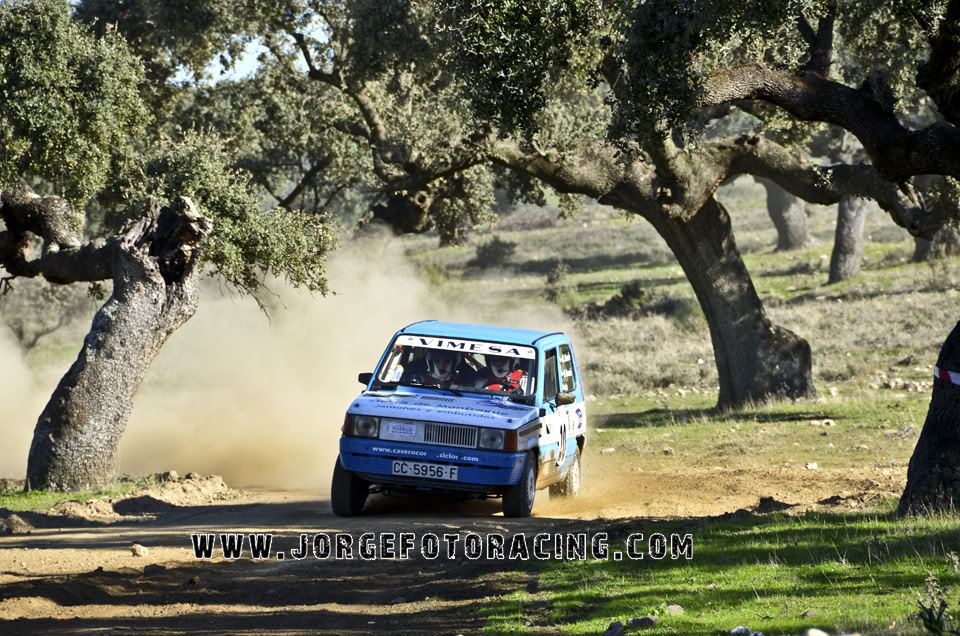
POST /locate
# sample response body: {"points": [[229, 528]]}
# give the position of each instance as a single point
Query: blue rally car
{"points": [[474, 410]]}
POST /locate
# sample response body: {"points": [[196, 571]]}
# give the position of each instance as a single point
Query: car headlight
{"points": [[491, 438], [365, 426]]}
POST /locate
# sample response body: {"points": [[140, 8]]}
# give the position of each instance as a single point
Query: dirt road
{"points": [[73, 571]]}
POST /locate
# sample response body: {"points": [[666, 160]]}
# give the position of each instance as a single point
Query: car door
{"points": [[574, 414], [554, 419]]}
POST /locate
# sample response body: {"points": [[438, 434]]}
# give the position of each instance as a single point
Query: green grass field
{"points": [[859, 569], [775, 573]]}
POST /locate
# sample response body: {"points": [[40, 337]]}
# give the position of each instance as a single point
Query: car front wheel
{"points": [[348, 492], [518, 500]]}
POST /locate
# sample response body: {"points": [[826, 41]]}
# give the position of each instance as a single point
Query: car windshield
{"points": [[453, 364]]}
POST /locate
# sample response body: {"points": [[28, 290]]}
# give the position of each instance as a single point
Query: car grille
{"points": [[450, 435]]}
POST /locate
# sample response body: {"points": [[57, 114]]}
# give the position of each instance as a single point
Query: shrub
{"points": [[629, 300], [944, 274], [495, 253], [556, 286], [684, 312], [435, 274]]}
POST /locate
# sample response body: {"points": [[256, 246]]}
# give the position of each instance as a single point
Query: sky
{"points": [[245, 66]]}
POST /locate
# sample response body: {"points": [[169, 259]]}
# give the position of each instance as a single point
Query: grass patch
{"points": [[774, 573], [16, 500], [835, 434], [779, 573]]}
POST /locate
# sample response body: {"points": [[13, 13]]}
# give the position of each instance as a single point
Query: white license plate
{"points": [[422, 469]]}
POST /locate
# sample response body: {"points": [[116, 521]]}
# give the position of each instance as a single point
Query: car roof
{"points": [[493, 333]]}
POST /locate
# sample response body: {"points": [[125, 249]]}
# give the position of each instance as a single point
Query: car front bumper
{"points": [[477, 470]]}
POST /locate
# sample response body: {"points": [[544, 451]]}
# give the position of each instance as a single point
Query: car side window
{"points": [[568, 381], [550, 375]]}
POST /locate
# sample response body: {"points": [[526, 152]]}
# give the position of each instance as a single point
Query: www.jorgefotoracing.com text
{"points": [[394, 545]]}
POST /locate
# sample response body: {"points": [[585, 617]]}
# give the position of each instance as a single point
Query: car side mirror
{"points": [[565, 398], [365, 378]]}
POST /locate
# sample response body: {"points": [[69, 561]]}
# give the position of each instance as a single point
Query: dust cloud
{"points": [[261, 402], [22, 396]]}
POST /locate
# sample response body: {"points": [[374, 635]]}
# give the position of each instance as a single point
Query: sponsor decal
{"points": [[472, 409], [399, 451], [469, 346], [402, 428]]}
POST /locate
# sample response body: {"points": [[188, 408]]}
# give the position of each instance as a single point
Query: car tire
{"points": [[348, 492], [518, 500], [570, 486]]}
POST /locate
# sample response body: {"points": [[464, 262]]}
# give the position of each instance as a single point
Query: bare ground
{"points": [[72, 570]]}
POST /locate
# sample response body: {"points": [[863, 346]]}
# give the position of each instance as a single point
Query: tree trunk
{"points": [[848, 242], [756, 360], [945, 244], [788, 215], [933, 477], [408, 214], [921, 249], [154, 268]]}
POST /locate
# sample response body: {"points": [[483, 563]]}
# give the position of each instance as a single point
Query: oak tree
{"points": [[74, 118], [670, 66]]}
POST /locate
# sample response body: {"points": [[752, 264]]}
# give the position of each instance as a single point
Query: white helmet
{"points": [[447, 359], [500, 366]]}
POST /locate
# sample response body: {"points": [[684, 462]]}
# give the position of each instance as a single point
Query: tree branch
{"points": [[806, 31], [821, 44], [387, 152], [631, 186], [172, 244], [41, 332], [51, 218], [304, 50], [352, 128], [596, 171], [897, 153], [308, 177], [262, 180], [821, 184], [88, 263], [662, 153]]}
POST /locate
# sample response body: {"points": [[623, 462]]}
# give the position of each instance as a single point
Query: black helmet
{"points": [[449, 360]]}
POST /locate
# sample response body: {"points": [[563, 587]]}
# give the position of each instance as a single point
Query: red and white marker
{"points": [[947, 376]]}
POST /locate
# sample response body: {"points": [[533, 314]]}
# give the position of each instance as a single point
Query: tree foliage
{"points": [[74, 117], [70, 105], [511, 52], [347, 97], [247, 242]]}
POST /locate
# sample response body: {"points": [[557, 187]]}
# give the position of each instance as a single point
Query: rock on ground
{"points": [[11, 523], [616, 629], [643, 621]]}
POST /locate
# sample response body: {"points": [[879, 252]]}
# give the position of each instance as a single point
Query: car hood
{"points": [[441, 407]]}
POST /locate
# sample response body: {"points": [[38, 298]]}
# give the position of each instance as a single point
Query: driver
{"points": [[438, 367], [501, 375]]}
